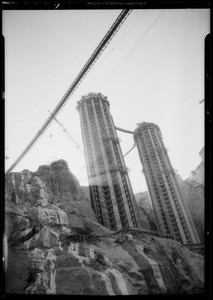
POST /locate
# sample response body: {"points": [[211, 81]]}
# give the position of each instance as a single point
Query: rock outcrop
{"points": [[146, 211], [193, 193], [52, 194], [54, 245]]}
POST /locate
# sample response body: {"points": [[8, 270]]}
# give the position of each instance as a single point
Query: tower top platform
{"points": [[144, 125], [90, 96]]}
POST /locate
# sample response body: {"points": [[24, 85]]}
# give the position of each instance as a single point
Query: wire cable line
{"points": [[190, 110], [103, 57], [68, 134], [135, 45], [91, 61], [191, 123], [130, 150]]}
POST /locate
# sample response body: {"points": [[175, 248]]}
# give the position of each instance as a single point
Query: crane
{"points": [[67, 133], [91, 61]]}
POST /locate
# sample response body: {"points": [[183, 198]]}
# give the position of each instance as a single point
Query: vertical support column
{"points": [[84, 143], [98, 179], [159, 140], [156, 182], [138, 139], [175, 212], [160, 143], [165, 183], [133, 201], [134, 205], [154, 149], [188, 219], [187, 216], [109, 179], [187, 211], [118, 173], [159, 190]]}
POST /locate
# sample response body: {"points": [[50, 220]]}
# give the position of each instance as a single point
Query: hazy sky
{"points": [[152, 71]]}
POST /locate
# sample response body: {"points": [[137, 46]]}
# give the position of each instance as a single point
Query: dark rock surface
{"points": [[193, 194], [46, 211], [52, 194], [146, 211]]}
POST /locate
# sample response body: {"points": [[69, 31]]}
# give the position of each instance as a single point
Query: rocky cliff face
{"points": [[54, 245], [146, 211], [52, 195], [193, 193]]}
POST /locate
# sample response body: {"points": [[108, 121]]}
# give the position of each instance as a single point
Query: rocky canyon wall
{"points": [[54, 245]]}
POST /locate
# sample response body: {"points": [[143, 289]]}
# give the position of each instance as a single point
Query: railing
{"points": [[92, 238], [198, 248], [112, 138]]}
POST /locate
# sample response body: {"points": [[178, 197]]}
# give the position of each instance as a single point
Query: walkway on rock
{"points": [[93, 238]]}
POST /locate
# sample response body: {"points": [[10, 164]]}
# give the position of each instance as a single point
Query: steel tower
{"points": [[110, 188], [173, 217]]}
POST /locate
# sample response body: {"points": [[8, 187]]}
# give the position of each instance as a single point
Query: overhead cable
{"points": [[100, 48], [130, 150], [110, 76], [68, 134], [103, 58]]}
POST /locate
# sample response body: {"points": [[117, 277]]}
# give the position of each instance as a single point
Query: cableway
{"points": [[132, 49], [91, 61], [68, 134]]}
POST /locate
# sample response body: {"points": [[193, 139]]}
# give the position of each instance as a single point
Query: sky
{"points": [[152, 71]]}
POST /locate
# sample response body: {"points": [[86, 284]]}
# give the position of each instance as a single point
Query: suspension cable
{"points": [[100, 48]]}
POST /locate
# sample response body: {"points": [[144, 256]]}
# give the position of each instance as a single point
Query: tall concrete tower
{"points": [[110, 188], [172, 215]]}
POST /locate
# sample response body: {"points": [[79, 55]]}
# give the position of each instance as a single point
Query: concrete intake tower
{"points": [[111, 193], [172, 214]]}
